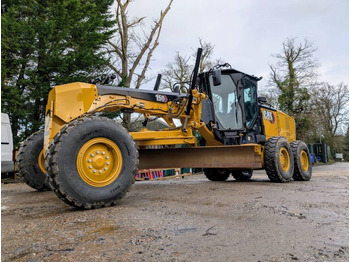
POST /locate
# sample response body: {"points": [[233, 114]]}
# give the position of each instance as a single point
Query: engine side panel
{"points": [[277, 123]]}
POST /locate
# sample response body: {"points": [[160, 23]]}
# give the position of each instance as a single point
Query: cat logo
{"points": [[269, 116]]}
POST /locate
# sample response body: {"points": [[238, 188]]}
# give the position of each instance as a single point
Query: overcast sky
{"points": [[246, 33]]}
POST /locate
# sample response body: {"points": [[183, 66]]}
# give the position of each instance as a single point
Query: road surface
{"points": [[190, 219]]}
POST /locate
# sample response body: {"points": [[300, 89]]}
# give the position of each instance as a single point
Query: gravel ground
{"points": [[190, 219]]}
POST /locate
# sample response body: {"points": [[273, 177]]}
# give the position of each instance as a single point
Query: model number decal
{"points": [[269, 116], [161, 98]]}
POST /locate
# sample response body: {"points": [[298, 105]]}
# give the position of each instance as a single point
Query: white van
{"points": [[7, 164]]}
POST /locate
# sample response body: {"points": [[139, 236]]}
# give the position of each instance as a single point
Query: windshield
{"points": [[250, 103], [227, 109]]}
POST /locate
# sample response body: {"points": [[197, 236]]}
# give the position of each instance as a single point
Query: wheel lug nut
{"points": [[103, 152], [97, 152], [89, 160], [94, 171], [107, 157], [105, 168], [107, 163], [100, 172], [92, 155], [90, 166]]}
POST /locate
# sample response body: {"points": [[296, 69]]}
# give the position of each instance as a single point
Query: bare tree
{"points": [[179, 71], [132, 48], [206, 63], [131, 52], [296, 63], [293, 75], [330, 110]]}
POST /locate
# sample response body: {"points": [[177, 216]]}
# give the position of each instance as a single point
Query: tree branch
{"points": [[149, 41]]}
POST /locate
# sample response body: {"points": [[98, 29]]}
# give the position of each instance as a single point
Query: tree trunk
{"points": [[126, 120]]}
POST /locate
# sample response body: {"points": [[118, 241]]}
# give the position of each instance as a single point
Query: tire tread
{"points": [[298, 175], [53, 169], [271, 167], [23, 172]]}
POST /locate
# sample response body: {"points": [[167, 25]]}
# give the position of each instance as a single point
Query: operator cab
{"points": [[232, 110]]}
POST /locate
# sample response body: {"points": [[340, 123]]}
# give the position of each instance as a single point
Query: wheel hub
{"points": [[99, 162], [304, 160], [284, 159]]}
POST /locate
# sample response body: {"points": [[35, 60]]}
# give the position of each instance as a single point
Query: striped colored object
{"points": [[149, 174]]}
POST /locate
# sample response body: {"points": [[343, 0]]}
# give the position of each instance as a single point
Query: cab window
{"points": [[250, 102], [227, 110]]}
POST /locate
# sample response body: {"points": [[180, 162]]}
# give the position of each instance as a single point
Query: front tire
{"points": [[302, 161], [242, 175], [278, 160], [216, 174], [92, 162], [31, 162]]}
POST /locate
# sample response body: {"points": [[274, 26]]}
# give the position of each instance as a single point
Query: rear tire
{"points": [[215, 174], [242, 175], [92, 162], [302, 161], [31, 163], [278, 160]]}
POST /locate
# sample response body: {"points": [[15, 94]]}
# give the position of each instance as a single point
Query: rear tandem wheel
{"points": [[278, 159], [302, 161], [92, 162]]}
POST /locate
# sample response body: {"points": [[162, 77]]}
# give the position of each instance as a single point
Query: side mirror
{"points": [[217, 77], [262, 100]]}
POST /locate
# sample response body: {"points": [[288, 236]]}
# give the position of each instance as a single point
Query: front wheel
{"points": [[242, 175], [92, 162], [216, 174], [278, 159]]}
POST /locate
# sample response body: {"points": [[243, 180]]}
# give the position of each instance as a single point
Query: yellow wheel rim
{"points": [[41, 161], [304, 160], [284, 159], [99, 162]]}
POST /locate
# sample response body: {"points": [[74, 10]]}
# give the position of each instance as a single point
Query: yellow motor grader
{"points": [[90, 161]]}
